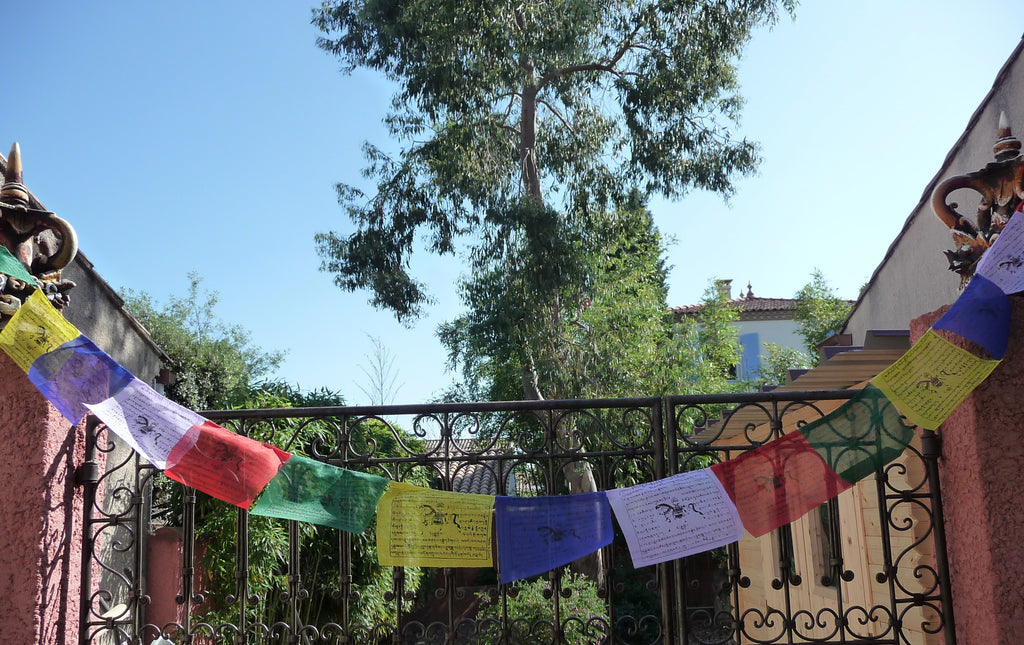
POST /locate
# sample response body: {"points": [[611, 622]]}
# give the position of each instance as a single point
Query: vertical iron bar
{"points": [[242, 574], [294, 581], [139, 518], [672, 574], [88, 476], [931, 450], [188, 556], [881, 482], [345, 581]]}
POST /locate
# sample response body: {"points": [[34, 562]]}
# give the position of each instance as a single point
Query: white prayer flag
{"points": [[148, 422], [1003, 262], [675, 517]]}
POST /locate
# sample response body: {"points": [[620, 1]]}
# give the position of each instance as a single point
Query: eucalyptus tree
{"points": [[504, 110], [521, 127]]}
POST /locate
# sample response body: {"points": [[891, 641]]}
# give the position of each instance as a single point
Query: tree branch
{"points": [[558, 114], [607, 65]]}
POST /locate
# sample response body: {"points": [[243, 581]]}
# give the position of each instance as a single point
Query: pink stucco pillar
{"points": [[165, 548], [40, 515], [982, 472]]}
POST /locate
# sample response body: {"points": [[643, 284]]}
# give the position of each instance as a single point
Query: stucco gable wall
{"points": [[97, 311], [913, 278]]}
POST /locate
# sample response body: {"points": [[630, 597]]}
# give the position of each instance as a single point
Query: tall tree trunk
{"points": [[579, 476]]}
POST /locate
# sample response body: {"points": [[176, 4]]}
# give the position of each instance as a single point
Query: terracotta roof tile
{"points": [[746, 304], [481, 477]]}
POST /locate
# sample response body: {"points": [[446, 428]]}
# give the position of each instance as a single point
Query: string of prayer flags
{"points": [[225, 465], [675, 517], [778, 482], [35, 329], [152, 425], [931, 379], [537, 534], [981, 314], [12, 266], [76, 374], [421, 527], [312, 491], [859, 437]]}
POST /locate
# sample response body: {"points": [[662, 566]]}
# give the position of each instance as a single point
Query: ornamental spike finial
{"points": [[13, 191], [1007, 146]]}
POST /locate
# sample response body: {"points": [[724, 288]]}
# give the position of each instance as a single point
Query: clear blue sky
{"points": [[208, 136]]}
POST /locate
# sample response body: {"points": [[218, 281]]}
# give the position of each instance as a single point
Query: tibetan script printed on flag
{"points": [[981, 314], [420, 527], [675, 517], [75, 374], [312, 491], [149, 423], [1003, 262], [35, 329], [860, 436], [225, 465], [778, 482], [931, 379]]}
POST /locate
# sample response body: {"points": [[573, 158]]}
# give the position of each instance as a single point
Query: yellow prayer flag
{"points": [[420, 527], [931, 379], [35, 329]]}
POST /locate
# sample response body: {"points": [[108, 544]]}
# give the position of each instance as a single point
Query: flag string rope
{"points": [[687, 513]]}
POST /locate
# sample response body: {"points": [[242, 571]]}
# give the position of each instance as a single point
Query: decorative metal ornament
{"points": [[37, 239], [1001, 186]]}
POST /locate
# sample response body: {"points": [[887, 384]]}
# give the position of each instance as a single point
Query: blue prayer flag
{"points": [[537, 534], [981, 314]]}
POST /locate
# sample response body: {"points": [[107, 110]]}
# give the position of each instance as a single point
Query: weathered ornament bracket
{"points": [[1001, 186], [42, 243]]}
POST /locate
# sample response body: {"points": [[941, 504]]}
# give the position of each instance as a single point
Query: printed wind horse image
{"points": [[551, 534], [676, 510], [934, 380], [437, 517]]}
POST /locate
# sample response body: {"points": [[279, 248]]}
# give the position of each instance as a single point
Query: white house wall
{"points": [[780, 332]]}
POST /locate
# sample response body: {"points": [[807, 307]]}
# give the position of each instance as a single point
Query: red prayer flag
{"points": [[778, 482], [225, 465]]}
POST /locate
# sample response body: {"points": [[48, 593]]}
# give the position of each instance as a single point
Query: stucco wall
{"points": [[97, 311], [41, 535], [982, 454], [913, 278]]}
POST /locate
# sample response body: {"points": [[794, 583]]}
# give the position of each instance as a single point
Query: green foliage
{"points": [[216, 363], [585, 313], [531, 613], [777, 361], [705, 347], [559, 102], [820, 313]]}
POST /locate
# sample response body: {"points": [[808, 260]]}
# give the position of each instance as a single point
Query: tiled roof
{"points": [[481, 477], [745, 304]]}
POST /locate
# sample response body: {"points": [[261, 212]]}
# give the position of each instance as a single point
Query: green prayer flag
{"points": [[10, 265], [860, 436], [312, 491]]}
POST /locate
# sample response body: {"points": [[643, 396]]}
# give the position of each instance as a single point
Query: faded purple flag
{"points": [[75, 374]]}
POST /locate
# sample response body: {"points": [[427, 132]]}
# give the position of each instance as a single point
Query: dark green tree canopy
{"points": [[565, 103]]}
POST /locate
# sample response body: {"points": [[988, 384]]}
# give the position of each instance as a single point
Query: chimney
{"points": [[724, 288]]}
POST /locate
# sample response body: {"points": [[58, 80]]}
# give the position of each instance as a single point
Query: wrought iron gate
{"points": [[868, 567]]}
